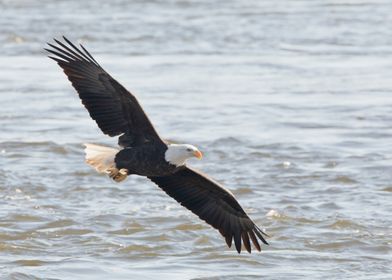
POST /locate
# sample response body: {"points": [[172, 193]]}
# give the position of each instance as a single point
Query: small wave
{"points": [[58, 224], [387, 189], [243, 190], [344, 224], [30, 262], [69, 232], [143, 249], [336, 245], [279, 216], [25, 218], [344, 179], [24, 276], [189, 227], [13, 148], [129, 229], [16, 39], [274, 214], [226, 141]]}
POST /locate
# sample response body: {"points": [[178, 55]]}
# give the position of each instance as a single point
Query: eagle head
{"points": [[177, 154]]}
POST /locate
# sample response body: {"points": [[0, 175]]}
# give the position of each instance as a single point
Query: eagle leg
{"points": [[118, 175]]}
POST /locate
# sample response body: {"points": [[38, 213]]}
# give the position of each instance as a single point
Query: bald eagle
{"points": [[143, 152]]}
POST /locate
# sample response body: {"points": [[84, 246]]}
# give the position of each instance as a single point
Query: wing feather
{"points": [[245, 238], [115, 110], [254, 240], [213, 204]]}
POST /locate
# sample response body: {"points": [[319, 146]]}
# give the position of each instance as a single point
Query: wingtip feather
{"points": [[229, 240], [245, 239], [237, 241], [259, 234], [254, 240]]}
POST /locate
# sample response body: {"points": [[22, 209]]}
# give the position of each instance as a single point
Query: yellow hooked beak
{"points": [[198, 154]]}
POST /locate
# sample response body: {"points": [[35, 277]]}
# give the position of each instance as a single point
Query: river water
{"points": [[290, 101]]}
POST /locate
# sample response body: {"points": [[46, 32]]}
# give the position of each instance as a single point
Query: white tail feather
{"points": [[100, 157]]}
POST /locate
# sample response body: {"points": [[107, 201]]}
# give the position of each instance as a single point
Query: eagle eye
{"points": [[189, 150]]}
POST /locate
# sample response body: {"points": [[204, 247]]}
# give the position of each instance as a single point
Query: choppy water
{"points": [[290, 101]]}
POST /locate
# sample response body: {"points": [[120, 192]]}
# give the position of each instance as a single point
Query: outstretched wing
{"points": [[213, 204], [115, 109]]}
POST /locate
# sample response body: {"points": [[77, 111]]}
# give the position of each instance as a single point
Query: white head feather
{"points": [[177, 154]]}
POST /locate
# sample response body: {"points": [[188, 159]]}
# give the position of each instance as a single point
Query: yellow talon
{"points": [[118, 175]]}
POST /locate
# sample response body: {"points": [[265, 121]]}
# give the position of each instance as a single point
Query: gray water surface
{"points": [[290, 101]]}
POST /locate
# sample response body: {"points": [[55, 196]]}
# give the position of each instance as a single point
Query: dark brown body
{"points": [[147, 160]]}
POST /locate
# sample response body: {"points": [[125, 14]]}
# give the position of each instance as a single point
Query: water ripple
{"points": [[289, 101]]}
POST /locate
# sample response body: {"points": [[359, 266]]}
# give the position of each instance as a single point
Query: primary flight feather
{"points": [[118, 113]]}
